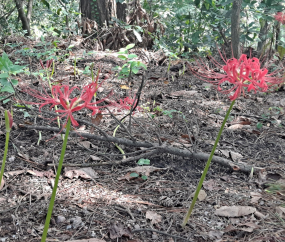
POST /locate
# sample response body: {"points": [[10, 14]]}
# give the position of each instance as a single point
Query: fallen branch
{"points": [[144, 155], [239, 166]]}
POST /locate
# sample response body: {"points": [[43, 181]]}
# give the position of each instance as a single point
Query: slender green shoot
{"points": [[8, 123], [118, 147], [207, 167], [51, 204], [74, 67]]}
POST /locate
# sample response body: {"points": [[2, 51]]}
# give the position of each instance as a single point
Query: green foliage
{"points": [[44, 50], [49, 17], [25, 112], [141, 162], [8, 69], [194, 25], [131, 66], [259, 125], [281, 51]]}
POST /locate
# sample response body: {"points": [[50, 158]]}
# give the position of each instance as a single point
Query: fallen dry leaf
{"points": [[216, 234], [255, 196], [15, 173], [2, 200], [235, 156], [87, 240], [87, 144], [153, 216], [202, 195], [82, 128], [118, 230], [127, 177], [47, 174], [183, 93], [35, 173], [226, 153], [234, 211], [97, 119], [95, 158], [124, 87], [236, 126], [280, 211], [210, 185], [247, 227], [145, 170], [260, 215], [2, 183], [85, 173]]}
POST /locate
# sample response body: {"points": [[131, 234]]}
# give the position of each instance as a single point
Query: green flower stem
{"points": [[74, 67], [50, 86], [5, 156], [207, 167], [91, 69], [52, 199], [52, 72], [118, 147]]}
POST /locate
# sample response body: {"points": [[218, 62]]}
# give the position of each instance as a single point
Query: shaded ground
{"points": [[105, 202]]}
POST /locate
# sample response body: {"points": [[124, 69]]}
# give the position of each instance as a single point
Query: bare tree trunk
{"points": [[262, 36], [87, 8], [277, 35], [101, 11], [235, 29], [121, 11], [23, 17], [106, 9], [29, 12]]}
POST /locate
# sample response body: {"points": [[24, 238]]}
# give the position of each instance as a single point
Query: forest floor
{"points": [[98, 200]]}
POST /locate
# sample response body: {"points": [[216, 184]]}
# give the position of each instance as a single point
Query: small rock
{"points": [[76, 222], [137, 226], [154, 236], [60, 219], [259, 99], [68, 227], [11, 159]]}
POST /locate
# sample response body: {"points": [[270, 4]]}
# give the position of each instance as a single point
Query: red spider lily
{"points": [[48, 64], [126, 104], [61, 96], [280, 17], [241, 73]]}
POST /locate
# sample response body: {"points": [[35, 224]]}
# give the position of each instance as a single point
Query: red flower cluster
{"points": [[127, 103], [241, 73], [48, 64], [61, 96], [280, 17]]}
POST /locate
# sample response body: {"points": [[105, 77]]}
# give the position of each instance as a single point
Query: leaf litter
{"points": [[94, 193]]}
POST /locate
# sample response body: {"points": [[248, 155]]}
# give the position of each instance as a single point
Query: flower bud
{"points": [[8, 121], [42, 64]]}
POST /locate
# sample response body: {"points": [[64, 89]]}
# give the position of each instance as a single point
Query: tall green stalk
{"points": [[5, 156], [118, 147], [51, 204], [207, 167], [8, 124]]}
